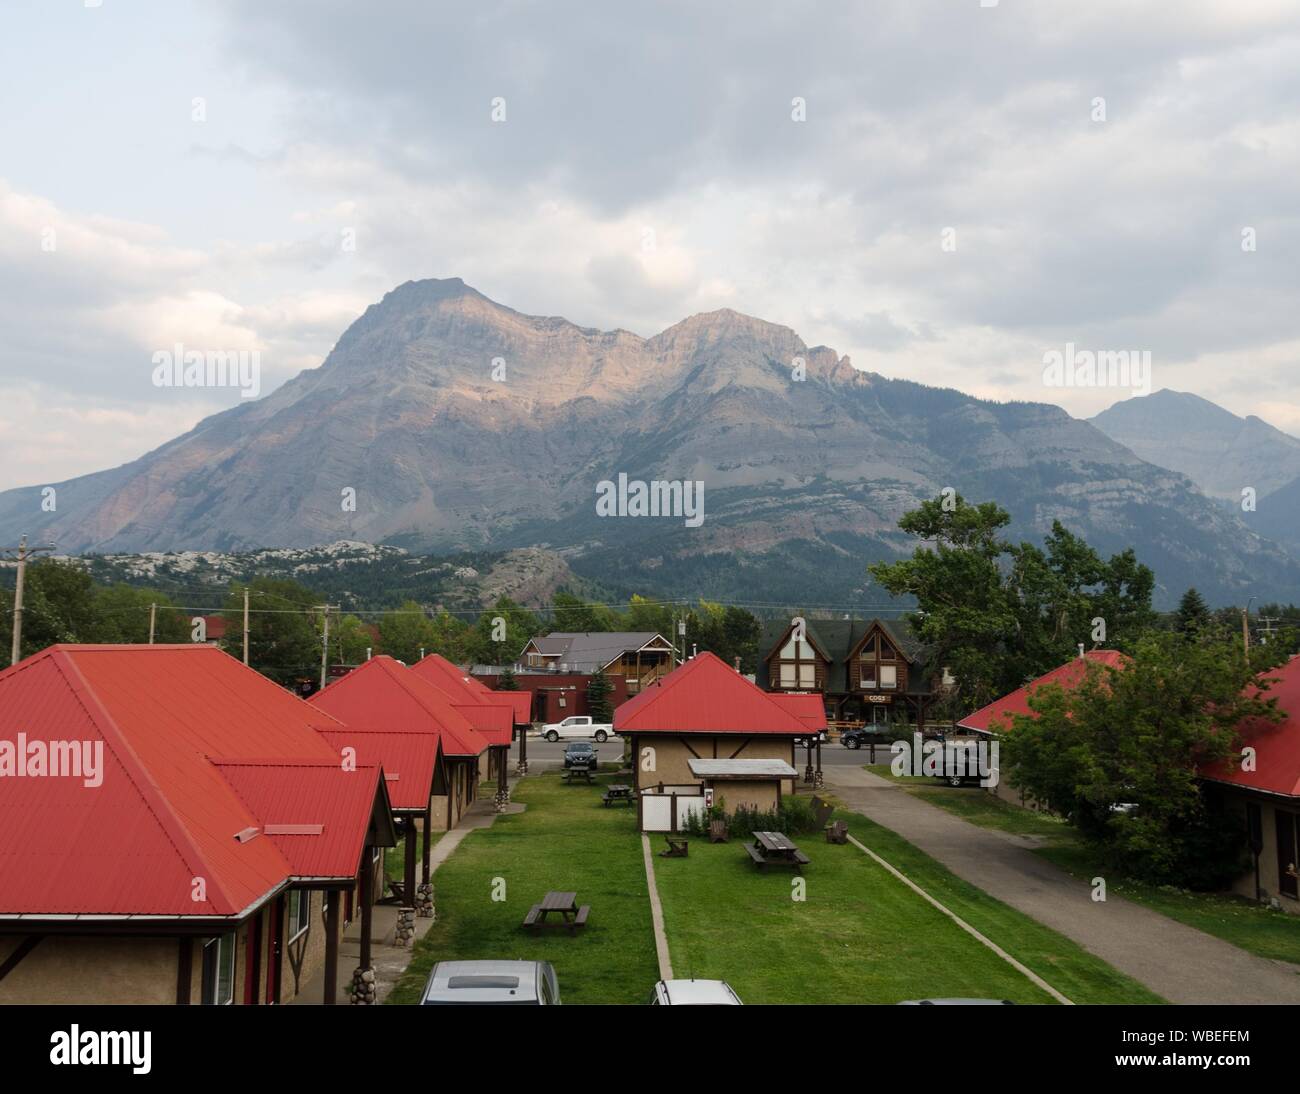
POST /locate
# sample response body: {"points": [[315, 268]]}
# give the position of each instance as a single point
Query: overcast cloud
{"points": [[186, 172]]}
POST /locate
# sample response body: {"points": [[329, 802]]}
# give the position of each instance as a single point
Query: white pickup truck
{"points": [[577, 727]]}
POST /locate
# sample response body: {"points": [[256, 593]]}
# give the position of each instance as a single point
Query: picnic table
{"points": [[571, 773], [563, 904], [618, 792], [775, 849]]}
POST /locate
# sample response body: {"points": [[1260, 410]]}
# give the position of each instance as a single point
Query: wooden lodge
{"points": [[868, 672]]}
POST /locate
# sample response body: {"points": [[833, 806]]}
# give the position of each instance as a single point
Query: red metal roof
{"points": [[462, 688], [1003, 711], [409, 759], [385, 696], [1276, 744], [163, 814], [308, 793], [706, 695], [809, 709]]}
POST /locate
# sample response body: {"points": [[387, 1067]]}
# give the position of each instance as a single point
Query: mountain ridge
{"points": [[458, 423]]}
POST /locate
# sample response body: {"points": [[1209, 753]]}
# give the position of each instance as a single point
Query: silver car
{"points": [[699, 993], [530, 982]]}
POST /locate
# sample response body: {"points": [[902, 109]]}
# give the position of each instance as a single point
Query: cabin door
{"points": [[1286, 857]]}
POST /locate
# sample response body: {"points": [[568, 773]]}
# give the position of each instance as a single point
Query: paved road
{"points": [[1180, 963], [548, 755]]}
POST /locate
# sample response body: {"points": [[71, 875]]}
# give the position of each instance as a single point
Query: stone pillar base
{"points": [[808, 774], [424, 902], [362, 992], [521, 768], [819, 780], [405, 935]]}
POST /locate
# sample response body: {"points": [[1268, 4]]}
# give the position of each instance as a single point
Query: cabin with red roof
{"points": [[702, 712], [999, 716], [1260, 790], [384, 698], [500, 716], [175, 829]]}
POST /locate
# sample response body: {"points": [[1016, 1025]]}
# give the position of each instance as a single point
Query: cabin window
{"points": [[867, 676], [888, 677], [218, 985], [299, 912], [887, 651]]}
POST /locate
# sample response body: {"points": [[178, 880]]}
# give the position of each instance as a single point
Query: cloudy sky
{"points": [[954, 204]]}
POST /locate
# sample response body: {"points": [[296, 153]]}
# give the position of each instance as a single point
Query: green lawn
{"points": [[1072, 970], [565, 840], [1254, 927], [861, 936]]}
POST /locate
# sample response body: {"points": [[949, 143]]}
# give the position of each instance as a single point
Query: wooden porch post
{"points": [[428, 842], [408, 876], [331, 947], [367, 902], [253, 967]]}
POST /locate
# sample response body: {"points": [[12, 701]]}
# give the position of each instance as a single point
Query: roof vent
{"points": [[246, 834]]}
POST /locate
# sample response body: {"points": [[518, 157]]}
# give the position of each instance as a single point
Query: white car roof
{"points": [[699, 992]]}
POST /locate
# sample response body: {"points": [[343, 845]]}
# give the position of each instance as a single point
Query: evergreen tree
{"points": [[598, 689], [506, 681], [1193, 614]]}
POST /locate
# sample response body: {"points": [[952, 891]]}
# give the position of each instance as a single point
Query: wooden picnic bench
{"points": [[565, 905], [677, 848], [572, 773], [837, 832], [618, 792], [775, 849]]}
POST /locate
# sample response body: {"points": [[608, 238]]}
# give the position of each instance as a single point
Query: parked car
{"points": [[863, 737], [492, 982], [578, 726], [580, 754], [700, 993]]}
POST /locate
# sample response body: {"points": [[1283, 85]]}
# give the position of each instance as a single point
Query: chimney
{"points": [[736, 664], [1080, 651]]}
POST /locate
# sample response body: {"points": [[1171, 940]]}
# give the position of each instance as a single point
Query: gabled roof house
{"points": [[173, 828]]}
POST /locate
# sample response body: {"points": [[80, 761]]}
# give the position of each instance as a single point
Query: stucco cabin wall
{"points": [[1235, 806], [759, 794], [73, 969], [672, 755]]}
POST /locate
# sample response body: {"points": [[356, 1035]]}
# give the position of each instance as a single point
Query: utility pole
{"points": [[245, 624], [153, 620], [22, 553], [325, 646], [1245, 627]]}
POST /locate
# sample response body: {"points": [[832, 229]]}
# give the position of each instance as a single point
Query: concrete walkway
{"points": [[1179, 963], [656, 912], [390, 961]]}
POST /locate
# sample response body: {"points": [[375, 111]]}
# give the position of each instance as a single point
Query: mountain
{"points": [[1216, 449], [351, 575], [804, 478]]}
